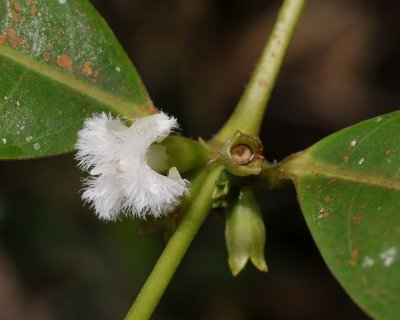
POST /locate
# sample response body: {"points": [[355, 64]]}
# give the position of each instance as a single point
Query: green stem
{"points": [[271, 176], [250, 110], [176, 248]]}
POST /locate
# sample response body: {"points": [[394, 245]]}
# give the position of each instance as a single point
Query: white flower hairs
{"points": [[117, 157]]}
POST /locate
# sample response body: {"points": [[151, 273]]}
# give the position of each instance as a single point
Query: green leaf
{"points": [[59, 62], [348, 186]]}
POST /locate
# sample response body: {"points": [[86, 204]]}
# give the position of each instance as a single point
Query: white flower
{"points": [[122, 182]]}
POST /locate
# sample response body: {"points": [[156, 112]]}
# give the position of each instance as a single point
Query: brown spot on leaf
{"points": [[11, 33], [15, 42], [47, 56], [333, 180], [327, 199], [59, 112], [354, 256], [13, 38], [34, 10], [325, 214], [96, 74], [14, 15], [346, 158], [80, 13], [308, 186], [390, 151], [356, 218], [64, 62], [87, 69], [17, 6]]}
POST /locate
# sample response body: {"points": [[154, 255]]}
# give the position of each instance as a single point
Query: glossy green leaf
{"points": [[59, 62], [348, 186]]}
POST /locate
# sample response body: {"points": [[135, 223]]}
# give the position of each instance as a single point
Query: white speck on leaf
{"points": [[361, 161], [118, 69], [28, 139], [388, 160], [62, 1], [367, 262], [378, 119], [353, 143], [36, 146], [4, 140], [5, 98], [388, 256]]}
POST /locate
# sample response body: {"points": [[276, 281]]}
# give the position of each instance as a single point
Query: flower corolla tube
{"points": [[117, 157]]}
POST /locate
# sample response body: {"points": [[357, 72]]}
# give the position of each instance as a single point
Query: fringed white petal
{"points": [[122, 182]]}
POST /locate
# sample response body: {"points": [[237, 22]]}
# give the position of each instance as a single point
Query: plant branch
{"points": [[176, 248], [250, 110]]}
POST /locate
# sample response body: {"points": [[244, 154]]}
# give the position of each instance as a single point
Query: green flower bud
{"points": [[245, 233], [241, 154]]}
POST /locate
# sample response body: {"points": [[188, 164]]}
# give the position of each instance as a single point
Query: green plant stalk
{"points": [[176, 248], [250, 110], [247, 117]]}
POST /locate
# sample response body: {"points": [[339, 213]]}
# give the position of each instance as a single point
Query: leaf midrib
{"points": [[114, 103], [299, 167]]}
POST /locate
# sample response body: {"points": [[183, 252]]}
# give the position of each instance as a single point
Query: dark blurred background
{"points": [[57, 261]]}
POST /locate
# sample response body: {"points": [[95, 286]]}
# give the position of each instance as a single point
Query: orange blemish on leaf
{"points": [[80, 13], [15, 42], [64, 62], [87, 69], [346, 158], [325, 214], [327, 199], [308, 186], [96, 74], [11, 33], [34, 10], [47, 56], [354, 256], [14, 15], [3, 39], [12, 37], [17, 6], [356, 219]]}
